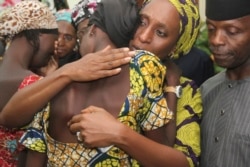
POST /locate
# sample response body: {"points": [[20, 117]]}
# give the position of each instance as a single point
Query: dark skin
{"points": [[70, 100], [98, 93], [67, 38], [18, 61], [61, 113], [158, 33], [13, 69], [230, 42], [176, 159], [93, 66]]}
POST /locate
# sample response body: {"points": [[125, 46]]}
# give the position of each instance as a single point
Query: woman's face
{"points": [[85, 44], [158, 30], [45, 51], [66, 38]]}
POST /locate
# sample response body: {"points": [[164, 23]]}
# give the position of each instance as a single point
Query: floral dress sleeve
{"points": [[147, 104]]}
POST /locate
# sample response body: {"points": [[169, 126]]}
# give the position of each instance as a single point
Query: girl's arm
{"points": [[36, 159], [34, 97]]}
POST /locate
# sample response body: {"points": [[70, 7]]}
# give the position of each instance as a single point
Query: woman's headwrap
{"points": [[227, 9], [83, 10], [118, 18], [64, 15], [189, 25], [26, 15]]}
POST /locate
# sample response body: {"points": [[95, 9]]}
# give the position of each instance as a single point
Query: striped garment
{"points": [[226, 122]]}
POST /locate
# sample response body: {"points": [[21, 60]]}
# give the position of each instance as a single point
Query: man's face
{"points": [[230, 41]]}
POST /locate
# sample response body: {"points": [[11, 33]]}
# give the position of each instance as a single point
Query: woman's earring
{"points": [[76, 47], [172, 54]]}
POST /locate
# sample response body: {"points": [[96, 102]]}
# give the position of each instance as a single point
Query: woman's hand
{"points": [[98, 65], [96, 126]]}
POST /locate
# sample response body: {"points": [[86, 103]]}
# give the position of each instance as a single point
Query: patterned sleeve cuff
{"points": [[34, 140]]}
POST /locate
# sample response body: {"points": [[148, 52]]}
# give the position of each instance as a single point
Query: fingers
{"points": [[115, 63], [113, 59], [116, 54], [98, 65], [77, 121]]}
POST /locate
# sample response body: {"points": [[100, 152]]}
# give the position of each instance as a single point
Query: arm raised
{"points": [[34, 97]]}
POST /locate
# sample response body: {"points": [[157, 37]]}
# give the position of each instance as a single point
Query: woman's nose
{"points": [[145, 36]]}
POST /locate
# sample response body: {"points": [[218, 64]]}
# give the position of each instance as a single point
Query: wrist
{"points": [[177, 90], [65, 74], [173, 81], [120, 138]]}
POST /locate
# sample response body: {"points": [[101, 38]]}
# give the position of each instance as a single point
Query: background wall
{"points": [[72, 2], [202, 9]]}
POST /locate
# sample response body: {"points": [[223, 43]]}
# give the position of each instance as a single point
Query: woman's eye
{"points": [[161, 33], [68, 37], [142, 22]]}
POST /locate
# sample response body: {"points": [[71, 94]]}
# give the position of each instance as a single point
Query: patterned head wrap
{"points": [[64, 15], [118, 18], [227, 9], [83, 10], [26, 15], [189, 25]]}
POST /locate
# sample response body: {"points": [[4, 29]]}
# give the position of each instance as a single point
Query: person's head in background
{"points": [[168, 28], [33, 21], [80, 15], [104, 23], [228, 25], [66, 43]]}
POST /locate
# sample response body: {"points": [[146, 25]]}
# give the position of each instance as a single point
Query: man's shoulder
{"points": [[210, 84], [215, 80]]}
